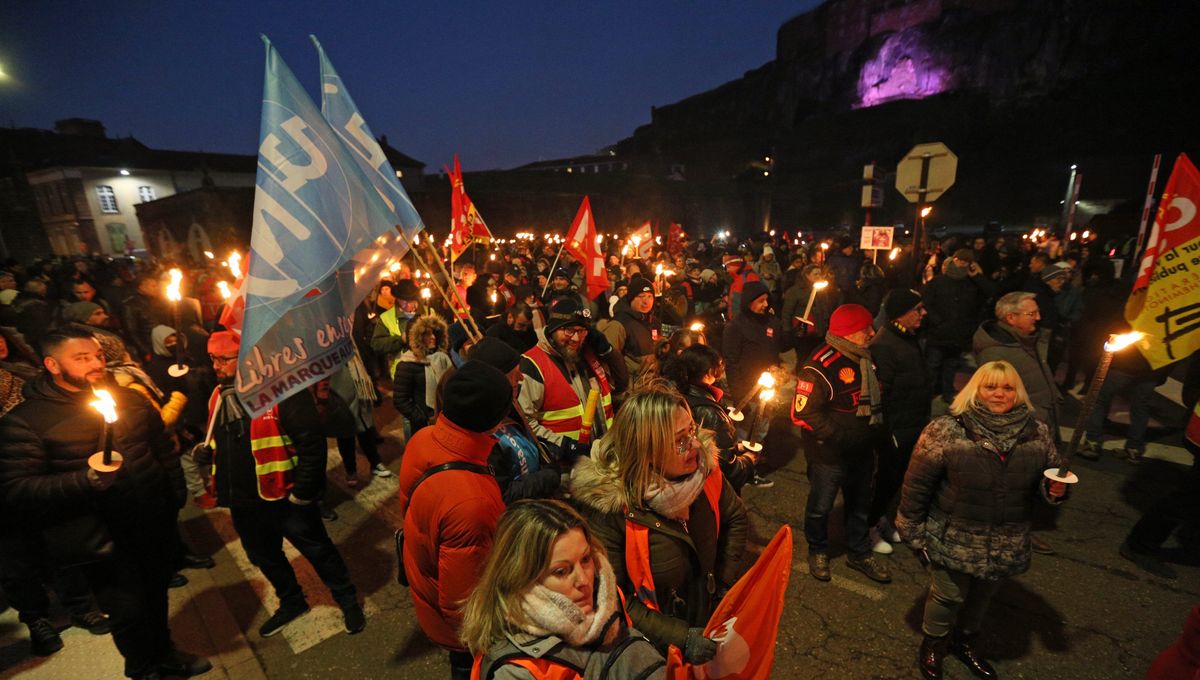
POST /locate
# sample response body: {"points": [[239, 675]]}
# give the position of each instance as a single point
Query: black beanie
{"points": [[567, 311], [496, 353], [476, 397], [637, 286], [899, 302]]}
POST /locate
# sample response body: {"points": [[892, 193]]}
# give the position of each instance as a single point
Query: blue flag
{"points": [[321, 234]]}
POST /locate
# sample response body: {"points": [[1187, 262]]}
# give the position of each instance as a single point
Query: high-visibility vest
{"points": [[392, 324], [637, 544], [274, 455], [562, 409]]}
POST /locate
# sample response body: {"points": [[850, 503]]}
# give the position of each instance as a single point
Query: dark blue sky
{"points": [[501, 83]]}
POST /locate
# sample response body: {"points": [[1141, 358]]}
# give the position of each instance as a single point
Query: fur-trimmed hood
{"points": [[419, 326], [602, 489]]}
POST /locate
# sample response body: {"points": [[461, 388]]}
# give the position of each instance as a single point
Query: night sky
{"points": [[501, 83]]}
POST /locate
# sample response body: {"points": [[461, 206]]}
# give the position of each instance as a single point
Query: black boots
{"points": [[964, 649], [929, 659]]}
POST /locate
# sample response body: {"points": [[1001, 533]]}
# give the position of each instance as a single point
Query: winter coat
{"points": [[141, 314], [521, 341], [750, 343], [954, 308], [418, 373], [235, 478], [968, 505], [903, 382], [795, 299], [736, 285], [689, 564], [996, 341], [825, 404], [448, 524], [705, 402], [47, 440]]}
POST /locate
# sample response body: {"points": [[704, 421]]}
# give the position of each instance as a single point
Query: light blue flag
{"points": [[320, 235], [339, 109]]}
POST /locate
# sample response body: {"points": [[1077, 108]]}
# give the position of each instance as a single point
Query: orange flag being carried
{"points": [[1165, 303], [466, 224], [746, 622], [583, 245]]}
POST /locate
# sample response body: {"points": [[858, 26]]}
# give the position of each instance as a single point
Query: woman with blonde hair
{"points": [[966, 505], [654, 494], [547, 602]]}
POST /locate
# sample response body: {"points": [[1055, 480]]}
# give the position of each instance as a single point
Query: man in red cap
{"points": [[837, 403], [270, 472]]}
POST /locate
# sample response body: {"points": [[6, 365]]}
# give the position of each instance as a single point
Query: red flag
{"points": [[582, 245], [746, 622], [466, 224], [644, 240], [675, 238]]}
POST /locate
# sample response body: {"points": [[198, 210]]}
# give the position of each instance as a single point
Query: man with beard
{"points": [[751, 344], [270, 472], [570, 359], [517, 329], [117, 525]]}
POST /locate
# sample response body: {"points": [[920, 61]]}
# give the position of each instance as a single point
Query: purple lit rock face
{"points": [[902, 69]]}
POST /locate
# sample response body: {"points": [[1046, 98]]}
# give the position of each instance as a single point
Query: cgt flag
{"points": [[583, 245], [466, 224], [746, 622], [675, 239], [1165, 303], [315, 213]]}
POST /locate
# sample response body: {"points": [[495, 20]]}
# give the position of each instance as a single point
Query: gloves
{"points": [[599, 344], [698, 649], [572, 449]]}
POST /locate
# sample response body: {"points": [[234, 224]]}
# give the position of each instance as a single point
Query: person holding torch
{"points": [[112, 517]]}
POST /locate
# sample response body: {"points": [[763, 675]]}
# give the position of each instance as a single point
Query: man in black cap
{"points": [[632, 331], [570, 360], [450, 514], [906, 393]]}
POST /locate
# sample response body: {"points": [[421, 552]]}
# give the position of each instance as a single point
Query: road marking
{"points": [[873, 594]]}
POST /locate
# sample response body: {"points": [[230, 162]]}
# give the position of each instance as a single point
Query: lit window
{"points": [[146, 194], [108, 199]]}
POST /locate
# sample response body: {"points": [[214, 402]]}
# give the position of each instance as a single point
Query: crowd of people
{"points": [[573, 466]]}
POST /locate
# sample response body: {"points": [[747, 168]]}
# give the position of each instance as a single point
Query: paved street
{"points": [[1083, 613]]}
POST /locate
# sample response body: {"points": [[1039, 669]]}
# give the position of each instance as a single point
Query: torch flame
{"points": [[895, 252], [1116, 343], [766, 380], [224, 288], [824, 246], [658, 269], [425, 294], [394, 267], [105, 405], [820, 285], [234, 261], [173, 293], [697, 327], [493, 298], [766, 395]]}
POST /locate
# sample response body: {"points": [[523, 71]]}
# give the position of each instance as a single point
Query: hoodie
{"points": [[751, 342], [996, 341]]}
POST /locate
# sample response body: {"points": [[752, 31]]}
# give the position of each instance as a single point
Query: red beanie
{"points": [[848, 320], [224, 343]]}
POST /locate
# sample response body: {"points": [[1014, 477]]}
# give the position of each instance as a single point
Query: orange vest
{"points": [[562, 410], [637, 544], [274, 455]]}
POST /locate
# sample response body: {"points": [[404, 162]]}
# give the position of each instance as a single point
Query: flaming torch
{"points": [[812, 296], [764, 398], [105, 460], [767, 381], [223, 288], [1115, 344], [178, 369]]}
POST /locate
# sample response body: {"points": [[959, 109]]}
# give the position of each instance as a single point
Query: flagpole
{"points": [[469, 325], [1146, 209], [550, 276]]}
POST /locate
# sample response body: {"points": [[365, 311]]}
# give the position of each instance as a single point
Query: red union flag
{"points": [[582, 245], [1165, 303], [675, 238], [643, 238], [466, 224], [746, 622]]}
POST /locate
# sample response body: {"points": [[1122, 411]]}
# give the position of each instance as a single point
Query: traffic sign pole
{"points": [[921, 238]]}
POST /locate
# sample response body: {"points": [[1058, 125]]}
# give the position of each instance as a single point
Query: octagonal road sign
{"points": [[932, 162]]}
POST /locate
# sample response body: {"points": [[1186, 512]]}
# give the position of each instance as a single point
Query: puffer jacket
{"points": [[903, 382], [995, 341], [689, 564], [968, 505], [448, 524], [47, 440], [418, 372], [705, 402]]}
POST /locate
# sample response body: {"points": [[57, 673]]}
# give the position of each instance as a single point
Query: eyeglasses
{"points": [[574, 332], [682, 446]]}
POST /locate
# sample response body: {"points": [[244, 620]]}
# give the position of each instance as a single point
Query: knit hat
{"points": [[560, 271], [224, 343], [1055, 270], [751, 292], [496, 353], [514, 270], [405, 289], [708, 275], [567, 311], [899, 302], [79, 312], [849, 319], [637, 286], [731, 259], [476, 397]]}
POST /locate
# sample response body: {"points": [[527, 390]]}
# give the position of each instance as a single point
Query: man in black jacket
{"points": [[143, 310], [633, 332], [837, 405], [118, 525], [905, 392], [751, 347], [270, 472], [953, 299]]}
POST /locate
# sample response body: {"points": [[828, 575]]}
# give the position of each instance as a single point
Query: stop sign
{"points": [[942, 165]]}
